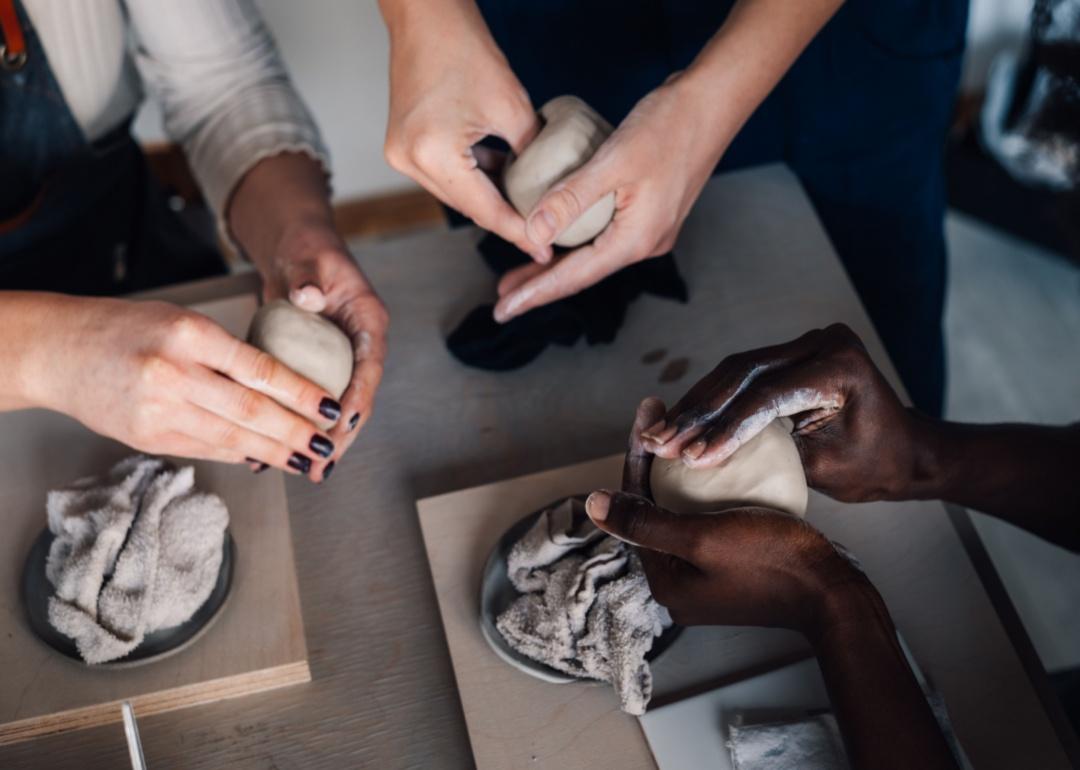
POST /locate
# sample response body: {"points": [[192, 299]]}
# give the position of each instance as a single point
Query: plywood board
{"points": [[515, 720], [257, 643]]}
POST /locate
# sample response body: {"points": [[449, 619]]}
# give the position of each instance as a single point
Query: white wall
{"points": [[993, 25], [337, 53]]}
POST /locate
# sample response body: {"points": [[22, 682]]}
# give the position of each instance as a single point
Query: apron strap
{"points": [[13, 47]]}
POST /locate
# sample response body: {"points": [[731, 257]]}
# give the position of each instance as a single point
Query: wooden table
{"points": [[383, 695]]}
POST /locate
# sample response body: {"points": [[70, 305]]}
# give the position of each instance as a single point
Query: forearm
{"points": [[402, 15], [1024, 474], [280, 196], [747, 57], [31, 322], [882, 713]]}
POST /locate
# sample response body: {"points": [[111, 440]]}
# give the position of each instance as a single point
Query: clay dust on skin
{"points": [[796, 402]]}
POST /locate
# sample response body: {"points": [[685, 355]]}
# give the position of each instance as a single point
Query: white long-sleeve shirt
{"points": [[225, 95]]}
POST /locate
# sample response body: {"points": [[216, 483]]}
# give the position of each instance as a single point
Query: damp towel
{"points": [[135, 550], [585, 607]]}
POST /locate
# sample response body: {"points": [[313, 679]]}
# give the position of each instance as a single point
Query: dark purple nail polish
{"points": [[330, 409], [328, 470], [262, 467], [321, 446], [300, 463], [354, 421]]}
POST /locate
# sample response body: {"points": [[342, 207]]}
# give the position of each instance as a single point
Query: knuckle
{"points": [[229, 437], [249, 405], [155, 373], [426, 151], [264, 368], [565, 205], [395, 154], [185, 329], [146, 419]]}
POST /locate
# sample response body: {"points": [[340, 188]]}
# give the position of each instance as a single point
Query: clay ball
{"points": [[765, 471], [572, 132], [307, 343]]}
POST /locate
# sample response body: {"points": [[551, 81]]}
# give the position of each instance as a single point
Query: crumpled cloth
{"points": [[585, 608], [135, 550], [596, 313], [812, 743]]}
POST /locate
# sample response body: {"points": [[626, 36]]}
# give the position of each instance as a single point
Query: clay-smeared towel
{"points": [[135, 550], [585, 608]]}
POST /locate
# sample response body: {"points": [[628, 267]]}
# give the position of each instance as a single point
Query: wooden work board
{"points": [[256, 643]]}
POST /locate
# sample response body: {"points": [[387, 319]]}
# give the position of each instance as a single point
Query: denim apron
{"points": [[860, 118], [76, 216]]}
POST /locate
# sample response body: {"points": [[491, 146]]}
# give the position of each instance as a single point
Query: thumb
{"points": [[637, 521], [566, 201], [304, 286]]}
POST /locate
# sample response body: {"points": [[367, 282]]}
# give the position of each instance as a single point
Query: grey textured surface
{"points": [[383, 693], [1013, 333]]}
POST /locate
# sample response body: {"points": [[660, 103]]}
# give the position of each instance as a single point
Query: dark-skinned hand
{"points": [[857, 441], [746, 566]]}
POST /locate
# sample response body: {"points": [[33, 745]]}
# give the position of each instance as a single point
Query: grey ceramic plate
{"points": [[497, 593], [36, 590]]}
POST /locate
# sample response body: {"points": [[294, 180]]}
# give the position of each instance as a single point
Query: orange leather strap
{"points": [[14, 44]]}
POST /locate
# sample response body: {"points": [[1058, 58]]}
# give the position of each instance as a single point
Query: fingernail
{"points": [[321, 446], [328, 470], [653, 431], [354, 421], [299, 462], [694, 451], [541, 227], [598, 505], [330, 409], [259, 465], [667, 434]]}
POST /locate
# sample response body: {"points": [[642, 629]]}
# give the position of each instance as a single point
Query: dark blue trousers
{"points": [[860, 118]]}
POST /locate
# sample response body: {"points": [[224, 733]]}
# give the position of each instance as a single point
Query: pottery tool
{"points": [[131, 732]]}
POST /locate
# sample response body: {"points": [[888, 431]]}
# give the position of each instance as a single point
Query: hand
{"points": [[166, 380], [856, 440], [451, 86], [313, 269], [656, 162], [746, 566]]}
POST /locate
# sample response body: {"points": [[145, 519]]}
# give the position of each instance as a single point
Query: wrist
{"points": [[702, 103], [39, 328], [854, 608], [931, 447], [278, 197]]}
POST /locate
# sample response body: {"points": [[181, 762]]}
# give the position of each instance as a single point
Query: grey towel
{"points": [[585, 608], [136, 550]]}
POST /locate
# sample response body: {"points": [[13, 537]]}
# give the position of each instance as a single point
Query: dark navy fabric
{"points": [[860, 118], [97, 222]]}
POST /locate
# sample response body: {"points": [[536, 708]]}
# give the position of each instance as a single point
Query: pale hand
{"points": [[451, 86], [656, 162], [312, 269], [169, 381]]}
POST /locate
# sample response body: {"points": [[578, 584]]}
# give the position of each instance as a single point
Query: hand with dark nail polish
{"points": [[329, 469], [354, 421]]}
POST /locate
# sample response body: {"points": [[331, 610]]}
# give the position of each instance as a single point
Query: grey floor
{"points": [[1013, 334]]}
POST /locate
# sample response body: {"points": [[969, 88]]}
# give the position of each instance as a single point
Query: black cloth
{"points": [[595, 313]]}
